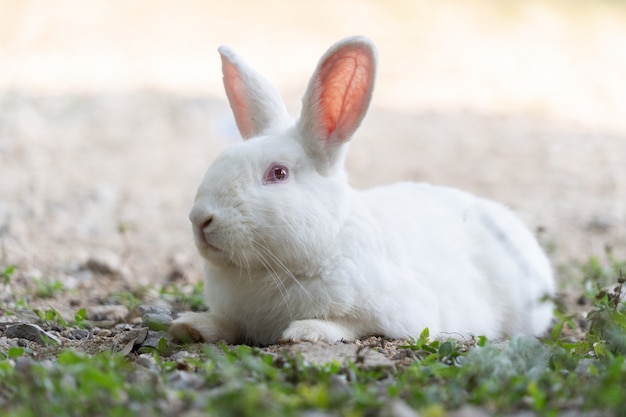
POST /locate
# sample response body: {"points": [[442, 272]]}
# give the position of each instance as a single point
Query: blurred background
{"points": [[111, 111]]}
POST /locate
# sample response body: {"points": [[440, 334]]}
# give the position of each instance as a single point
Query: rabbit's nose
{"points": [[206, 223], [201, 220], [200, 231], [203, 225], [200, 217]]}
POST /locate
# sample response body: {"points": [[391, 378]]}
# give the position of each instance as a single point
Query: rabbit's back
{"points": [[448, 260]]}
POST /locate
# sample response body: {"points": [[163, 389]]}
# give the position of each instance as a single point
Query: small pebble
{"points": [[123, 327], [147, 361], [136, 335], [601, 222], [473, 411], [78, 334], [105, 324], [151, 309], [181, 355], [23, 364], [399, 408], [102, 332], [104, 262], [183, 380], [115, 312]]}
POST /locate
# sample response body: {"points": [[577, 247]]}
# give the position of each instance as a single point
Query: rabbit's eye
{"points": [[276, 173]]}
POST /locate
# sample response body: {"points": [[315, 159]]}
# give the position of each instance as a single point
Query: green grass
{"points": [[546, 376], [189, 298], [242, 381], [6, 273], [47, 288]]}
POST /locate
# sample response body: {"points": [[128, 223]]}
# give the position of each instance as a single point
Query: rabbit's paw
{"points": [[201, 327], [315, 331]]}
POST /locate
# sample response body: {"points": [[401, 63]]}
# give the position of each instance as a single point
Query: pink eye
{"points": [[276, 173]]}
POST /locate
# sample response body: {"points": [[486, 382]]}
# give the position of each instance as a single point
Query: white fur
{"points": [[312, 259]]}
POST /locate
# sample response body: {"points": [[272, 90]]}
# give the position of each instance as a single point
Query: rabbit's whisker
{"points": [[263, 246], [276, 278]]}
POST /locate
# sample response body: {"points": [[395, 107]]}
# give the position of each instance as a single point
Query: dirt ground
{"points": [[111, 111]]}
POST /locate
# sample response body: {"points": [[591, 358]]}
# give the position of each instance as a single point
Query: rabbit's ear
{"points": [[338, 95], [256, 104]]}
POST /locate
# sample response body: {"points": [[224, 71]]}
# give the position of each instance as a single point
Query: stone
{"points": [[102, 332], [181, 355], [23, 364], [601, 222], [321, 353], [153, 339], [151, 309], [123, 327], [148, 362], [78, 334], [182, 380], [156, 321], [137, 336], [470, 411], [114, 312], [128, 340], [31, 332], [398, 408], [104, 262]]}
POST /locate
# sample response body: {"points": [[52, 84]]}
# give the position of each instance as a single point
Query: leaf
{"points": [[6, 273], [446, 349], [80, 316], [537, 395], [599, 348], [162, 345], [128, 347], [70, 357], [15, 352]]}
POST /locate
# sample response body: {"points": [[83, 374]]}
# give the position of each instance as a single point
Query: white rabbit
{"points": [[293, 253]]}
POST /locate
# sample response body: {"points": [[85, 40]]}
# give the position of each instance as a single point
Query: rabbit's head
{"points": [[277, 200]]}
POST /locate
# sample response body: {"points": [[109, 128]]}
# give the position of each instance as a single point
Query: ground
{"points": [[109, 116]]}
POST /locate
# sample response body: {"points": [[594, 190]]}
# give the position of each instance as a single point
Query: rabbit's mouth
{"points": [[204, 244], [202, 238], [211, 252], [213, 248]]}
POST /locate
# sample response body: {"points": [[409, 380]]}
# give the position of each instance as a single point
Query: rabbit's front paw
{"points": [[315, 331], [202, 327]]}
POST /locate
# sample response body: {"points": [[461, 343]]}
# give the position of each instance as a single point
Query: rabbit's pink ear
{"points": [[256, 104], [339, 92]]}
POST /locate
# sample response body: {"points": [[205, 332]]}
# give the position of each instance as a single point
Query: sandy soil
{"points": [[110, 112]]}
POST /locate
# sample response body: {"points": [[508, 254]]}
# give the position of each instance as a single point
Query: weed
{"points": [[607, 329], [80, 316], [191, 299], [130, 299], [47, 288], [51, 316], [598, 272], [6, 273]]}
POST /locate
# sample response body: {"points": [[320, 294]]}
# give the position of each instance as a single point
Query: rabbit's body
{"points": [[293, 253]]}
